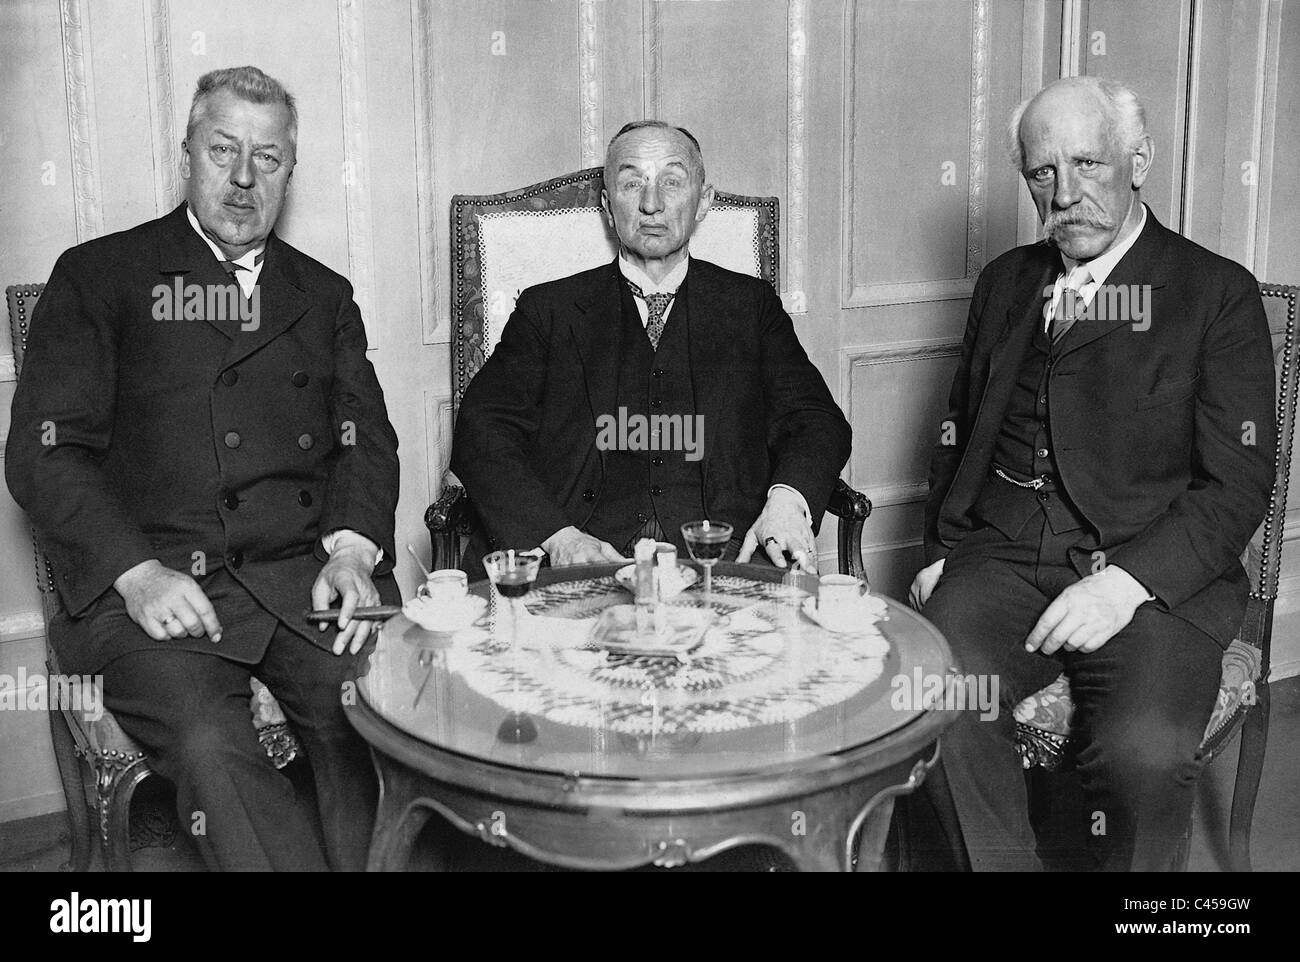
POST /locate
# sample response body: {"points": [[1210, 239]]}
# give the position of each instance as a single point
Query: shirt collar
{"points": [[248, 260], [642, 280], [1101, 265]]}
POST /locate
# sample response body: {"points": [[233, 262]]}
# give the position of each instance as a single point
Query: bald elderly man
{"points": [[1105, 458], [654, 332]]}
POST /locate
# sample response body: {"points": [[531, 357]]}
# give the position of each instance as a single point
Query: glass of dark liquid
{"points": [[706, 541], [512, 573]]}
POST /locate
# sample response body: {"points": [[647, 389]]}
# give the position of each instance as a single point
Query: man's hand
{"points": [[166, 603], [1089, 613], [569, 546], [923, 584], [347, 576], [781, 527]]}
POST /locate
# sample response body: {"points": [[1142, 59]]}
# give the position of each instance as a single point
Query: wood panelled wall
{"points": [[880, 125]]}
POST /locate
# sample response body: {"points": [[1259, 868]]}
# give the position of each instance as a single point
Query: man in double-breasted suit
{"points": [[204, 450], [1105, 458], [626, 400]]}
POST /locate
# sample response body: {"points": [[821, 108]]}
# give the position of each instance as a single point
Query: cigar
{"points": [[377, 613]]}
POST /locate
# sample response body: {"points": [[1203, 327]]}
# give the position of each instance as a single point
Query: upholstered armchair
{"points": [[1043, 719], [93, 742], [504, 243]]}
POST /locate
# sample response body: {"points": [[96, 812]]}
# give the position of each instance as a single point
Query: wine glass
{"points": [[706, 541], [512, 573]]}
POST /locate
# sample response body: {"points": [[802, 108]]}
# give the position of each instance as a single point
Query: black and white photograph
{"points": [[651, 436]]}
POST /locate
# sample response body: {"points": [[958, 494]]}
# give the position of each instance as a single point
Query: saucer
{"points": [[445, 616], [848, 616], [626, 576]]}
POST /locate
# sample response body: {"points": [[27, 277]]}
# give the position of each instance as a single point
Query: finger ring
{"points": [[770, 539]]}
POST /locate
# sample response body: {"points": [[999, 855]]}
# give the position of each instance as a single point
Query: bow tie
{"points": [[230, 266]]}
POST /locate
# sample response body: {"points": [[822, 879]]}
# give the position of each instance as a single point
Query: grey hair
{"points": [[246, 83], [662, 125], [1129, 115]]}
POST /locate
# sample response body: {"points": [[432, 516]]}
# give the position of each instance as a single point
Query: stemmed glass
{"points": [[706, 541], [512, 573]]}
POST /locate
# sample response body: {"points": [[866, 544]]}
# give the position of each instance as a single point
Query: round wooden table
{"points": [[775, 731]]}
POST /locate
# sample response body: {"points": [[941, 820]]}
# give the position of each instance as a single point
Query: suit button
{"points": [[300, 379], [1042, 496], [304, 498], [657, 461], [235, 559], [1041, 452], [231, 501], [228, 378], [589, 495], [305, 441], [642, 517], [657, 403], [657, 373], [1043, 399], [656, 491], [232, 439]]}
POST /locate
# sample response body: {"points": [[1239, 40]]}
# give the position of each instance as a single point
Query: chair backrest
{"points": [[504, 243], [1264, 555], [22, 299]]}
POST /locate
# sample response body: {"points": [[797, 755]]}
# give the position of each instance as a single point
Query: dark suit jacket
{"points": [[195, 442], [525, 444], [1149, 426]]}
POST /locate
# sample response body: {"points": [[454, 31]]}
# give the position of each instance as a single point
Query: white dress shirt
{"points": [[1098, 268]]}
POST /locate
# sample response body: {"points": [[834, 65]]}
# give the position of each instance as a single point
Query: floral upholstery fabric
{"points": [[106, 736], [1051, 708]]}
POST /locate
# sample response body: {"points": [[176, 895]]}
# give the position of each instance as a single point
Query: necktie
{"points": [[656, 305], [1071, 305]]}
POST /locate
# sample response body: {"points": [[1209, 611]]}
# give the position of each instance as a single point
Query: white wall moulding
{"points": [[79, 87], [162, 104], [652, 60], [795, 227], [1072, 36], [22, 625], [437, 440], [1265, 127], [7, 372], [903, 391], [356, 157], [435, 319], [860, 291], [591, 121]]}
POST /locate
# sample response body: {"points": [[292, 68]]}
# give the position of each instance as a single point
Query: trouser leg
{"points": [[190, 712], [308, 682], [986, 606], [1142, 702]]}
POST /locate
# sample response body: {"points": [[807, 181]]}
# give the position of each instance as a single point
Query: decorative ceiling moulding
{"points": [[875, 294], [591, 123], [356, 154], [435, 317], [796, 206], [87, 199], [162, 104]]}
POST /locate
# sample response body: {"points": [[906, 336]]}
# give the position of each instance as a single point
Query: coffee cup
{"points": [[444, 586], [837, 590]]}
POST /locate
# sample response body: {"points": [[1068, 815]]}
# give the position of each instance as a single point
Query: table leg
{"points": [[398, 823]]}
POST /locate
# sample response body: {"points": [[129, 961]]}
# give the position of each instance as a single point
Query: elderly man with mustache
{"points": [[200, 470], [1103, 462]]}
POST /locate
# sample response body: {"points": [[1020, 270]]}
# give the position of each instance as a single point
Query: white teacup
{"points": [[446, 585], [838, 590]]}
